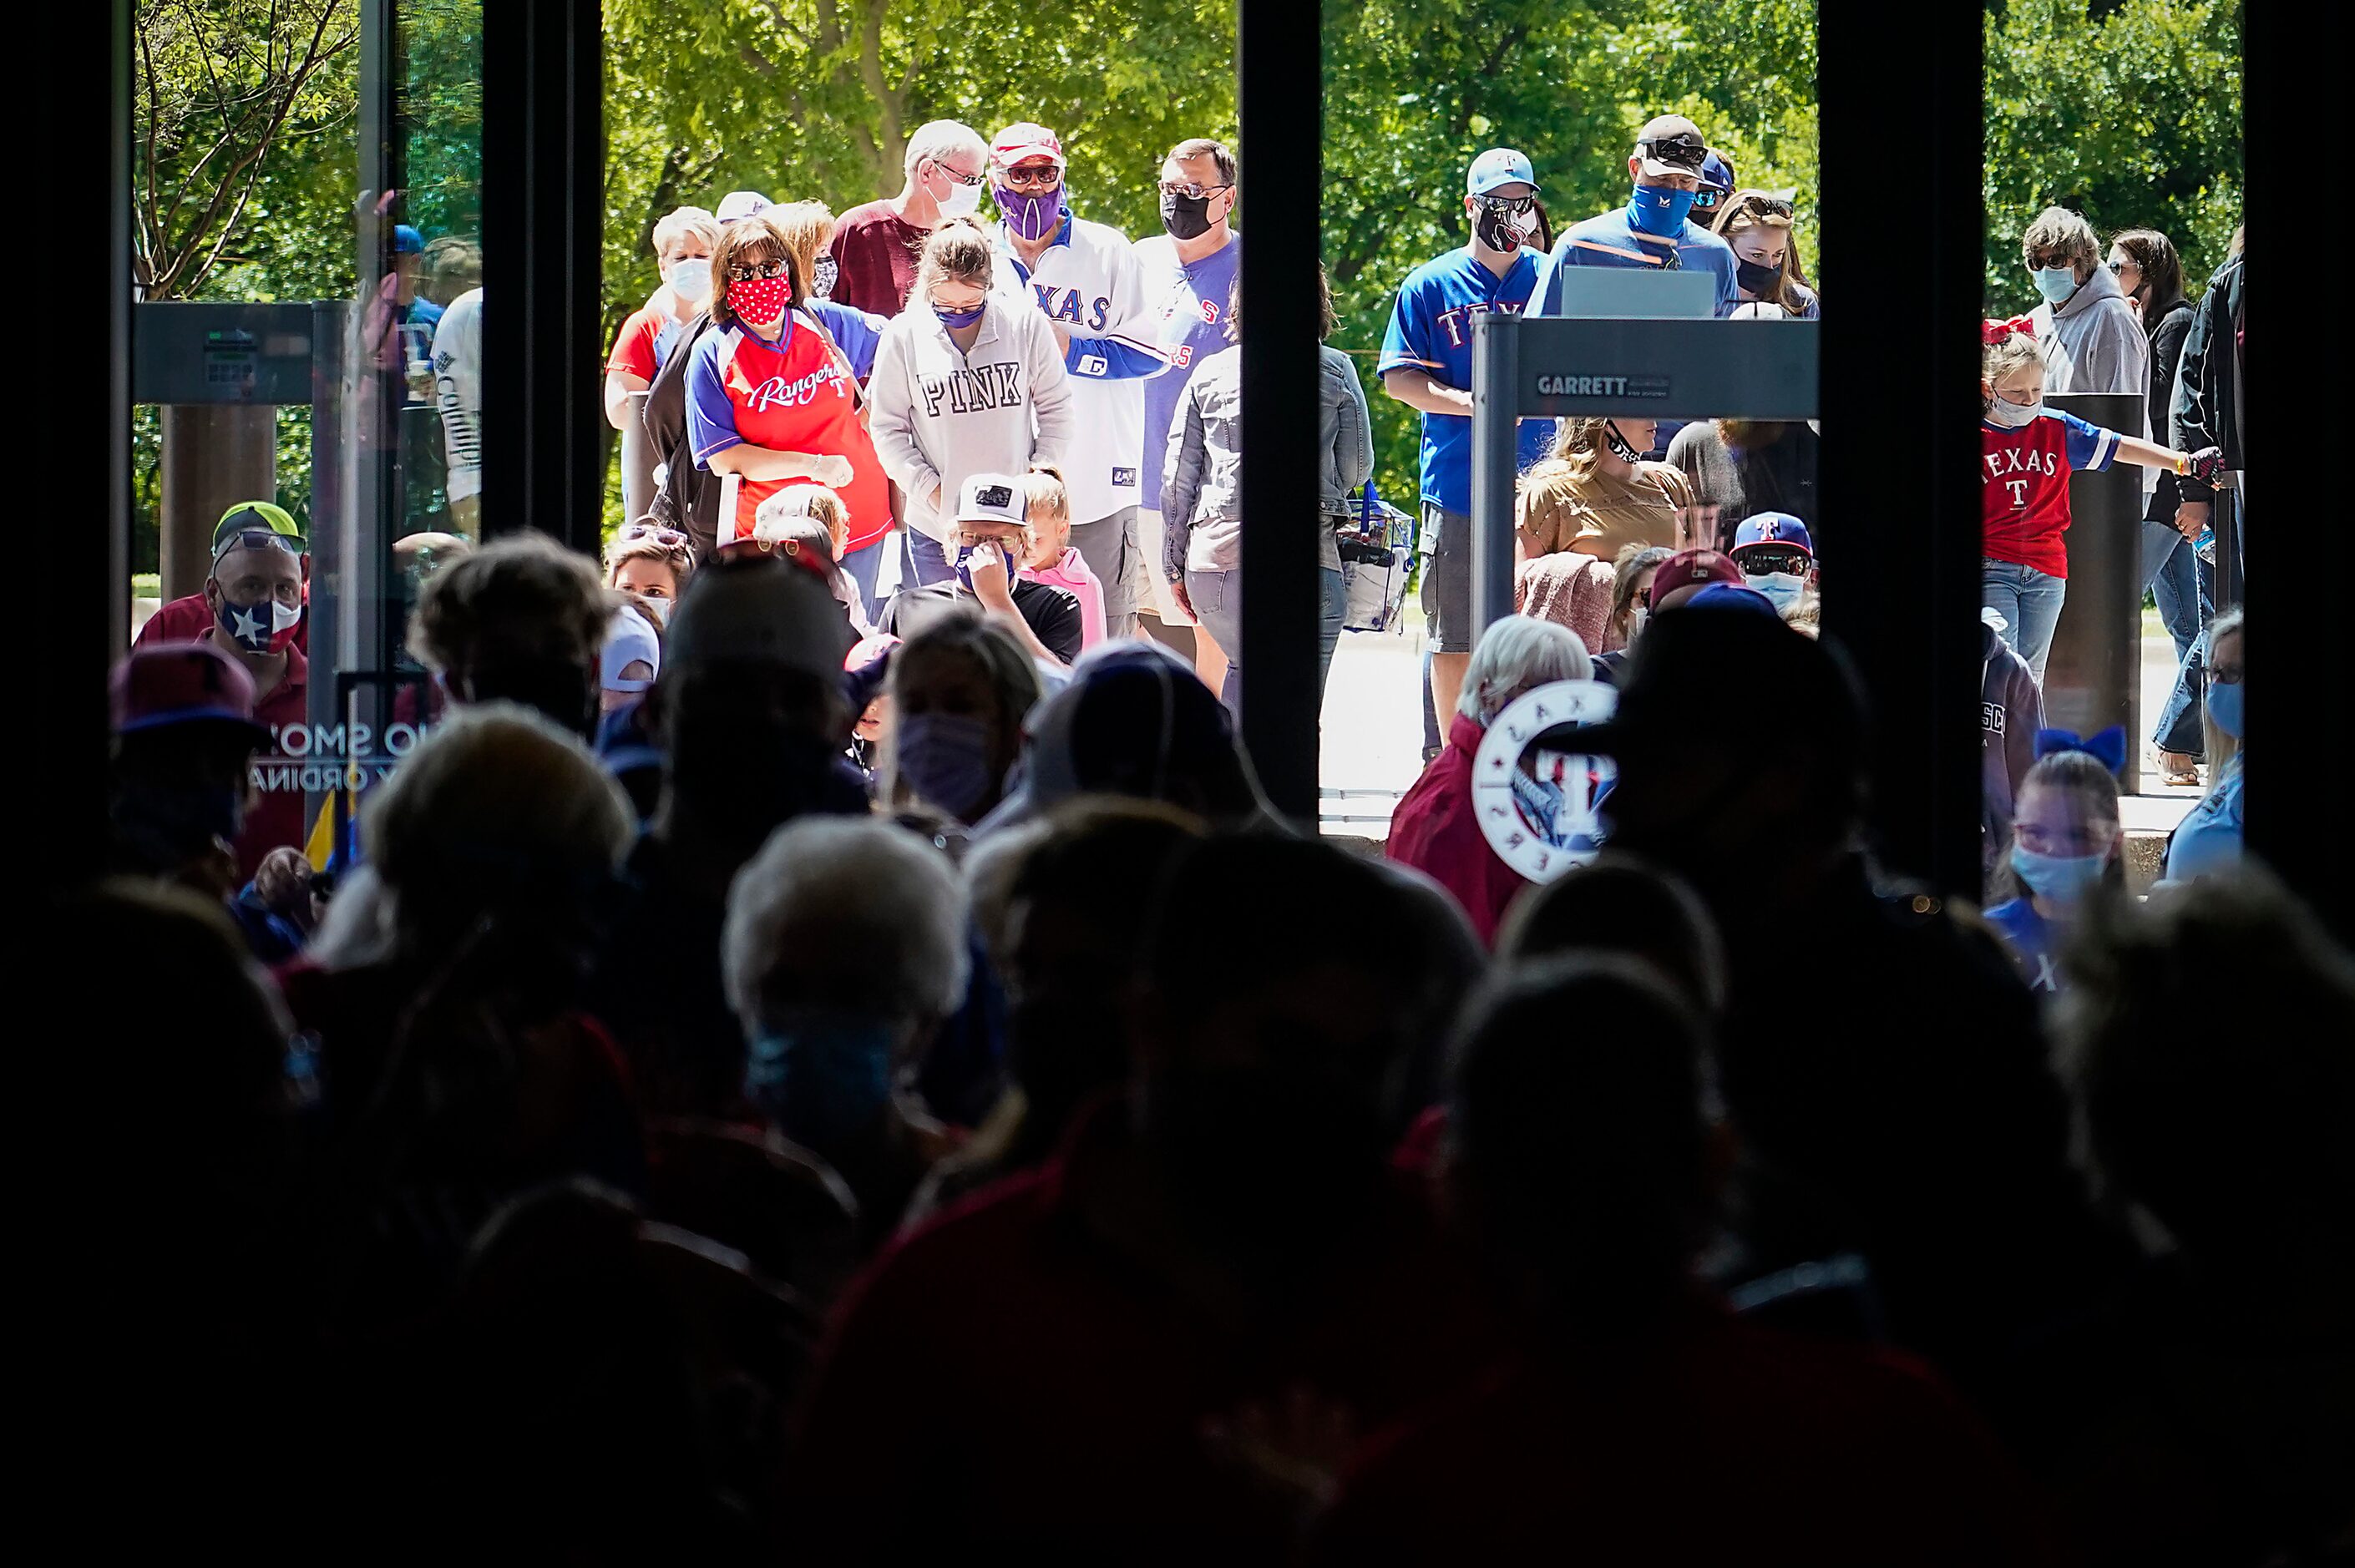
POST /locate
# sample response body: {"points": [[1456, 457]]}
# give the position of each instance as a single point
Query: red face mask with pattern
{"points": [[759, 300]]}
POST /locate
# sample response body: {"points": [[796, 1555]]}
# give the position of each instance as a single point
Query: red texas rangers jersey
{"points": [[791, 396], [2024, 486]]}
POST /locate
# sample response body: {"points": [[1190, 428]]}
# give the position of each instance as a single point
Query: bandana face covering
{"points": [[759, 300]]}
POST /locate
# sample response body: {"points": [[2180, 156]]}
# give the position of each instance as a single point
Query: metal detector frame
{"points": [[1532, 367]]}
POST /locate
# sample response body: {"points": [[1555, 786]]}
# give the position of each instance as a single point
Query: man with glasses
{"points": [[1086, 280], [1653, 229], [253, 612], [1190, 274], [874, 245], [184, 620], [2093, 341], [1426, 363]]}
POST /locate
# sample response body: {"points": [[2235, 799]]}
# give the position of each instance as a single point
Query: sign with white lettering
{"points": [[1539, 808]]}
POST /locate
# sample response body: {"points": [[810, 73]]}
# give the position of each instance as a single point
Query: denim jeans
{"points": [[1219, 605], [2167, 571], [2030, 602], [927, 562], [861, 565]]}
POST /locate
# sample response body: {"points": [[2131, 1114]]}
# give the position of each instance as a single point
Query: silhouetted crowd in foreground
{"points": [[1103, 1170]]}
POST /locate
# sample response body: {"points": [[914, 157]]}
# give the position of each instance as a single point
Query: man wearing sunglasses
{"points": [[1426, 363], [253, 608], [874, 245], [1086, 280], [1653, 229]]}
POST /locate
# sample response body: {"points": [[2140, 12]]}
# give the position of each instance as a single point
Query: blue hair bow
{"points": [[2108, 748]]}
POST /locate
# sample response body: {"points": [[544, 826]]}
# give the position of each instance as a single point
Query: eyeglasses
{"points": [[758, 269], [669, 538], [1689, 151], [1189, 190], [963, 179], [1033, 177], [1519, 206], [2047, 260]]}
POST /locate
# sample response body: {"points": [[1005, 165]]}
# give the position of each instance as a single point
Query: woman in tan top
{"points": [[1578, 511]]}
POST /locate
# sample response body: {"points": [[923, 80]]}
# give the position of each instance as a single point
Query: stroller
{"points": [[1377, 545]]}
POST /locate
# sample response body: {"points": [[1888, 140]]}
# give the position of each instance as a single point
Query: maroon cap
{"points": [[181, 683], [1691, 570]]}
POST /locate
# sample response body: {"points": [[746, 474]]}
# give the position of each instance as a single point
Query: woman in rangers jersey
{"points": [[769, 398], [2027, 454]]}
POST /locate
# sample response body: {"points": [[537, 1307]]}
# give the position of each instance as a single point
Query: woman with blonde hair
{"points": [[966, 381], [1758, 225], [1577, 510]]}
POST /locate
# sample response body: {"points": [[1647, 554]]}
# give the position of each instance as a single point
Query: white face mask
{"points": [[962, 200], [691, 280], [1781, 588], [661, 609], [1636, 618], [2013, 416]]}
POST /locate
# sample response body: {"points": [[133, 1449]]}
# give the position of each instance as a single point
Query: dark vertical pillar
{"points": [[2295, 645], [84, 429], [1283, 113], [1495, 426], [543, 167], [1899, 474]]}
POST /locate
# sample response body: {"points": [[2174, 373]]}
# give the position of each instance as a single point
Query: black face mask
{"points": [[1754, 279], [1186, 217], [1618, 444], [1495, 229]]}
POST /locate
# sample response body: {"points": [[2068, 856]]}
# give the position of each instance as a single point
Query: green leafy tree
{"points": [[2131, 117]]}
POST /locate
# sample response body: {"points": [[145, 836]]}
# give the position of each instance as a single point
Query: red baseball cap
{"points": [[1690, 570], [181, 683], [1025, 139]]}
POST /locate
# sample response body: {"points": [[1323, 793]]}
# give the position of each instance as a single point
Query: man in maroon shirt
{"points": [[184, 620], [1629, 1418], [253, 607], [874, 245], [1029, 1377]]}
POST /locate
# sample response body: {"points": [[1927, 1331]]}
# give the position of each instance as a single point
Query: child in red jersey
{"points": [[2027, 454]]}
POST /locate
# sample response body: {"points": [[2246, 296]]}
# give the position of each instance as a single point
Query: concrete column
{"points": [[215, 455]]}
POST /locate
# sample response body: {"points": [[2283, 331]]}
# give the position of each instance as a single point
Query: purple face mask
{"points": [[1030, 215]]}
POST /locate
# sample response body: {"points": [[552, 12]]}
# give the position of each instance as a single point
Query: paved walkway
{"points": [[1373, 734]]}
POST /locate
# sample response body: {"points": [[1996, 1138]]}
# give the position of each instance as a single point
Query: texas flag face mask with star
{"points": [[265, 628]]}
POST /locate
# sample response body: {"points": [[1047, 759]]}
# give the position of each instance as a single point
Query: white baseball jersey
{"points": [[1089, 282], [458, 383]]}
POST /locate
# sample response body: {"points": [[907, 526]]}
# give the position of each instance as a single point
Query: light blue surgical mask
{"points": [[2224, 706], [1660, 211], [1782, 588], [2055, 283], [824, 1078], [2064, 878]]}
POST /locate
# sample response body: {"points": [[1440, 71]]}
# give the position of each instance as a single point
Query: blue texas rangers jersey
{"points": [[1431, 329]]}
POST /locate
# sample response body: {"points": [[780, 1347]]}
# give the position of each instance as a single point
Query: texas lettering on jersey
{"points": [[1066, 305], [982, 386], [2026, 462], [1458, 320]]}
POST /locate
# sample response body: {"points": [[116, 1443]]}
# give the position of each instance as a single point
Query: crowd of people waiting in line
{"points": [[822, 1049], [1039, 1146]]}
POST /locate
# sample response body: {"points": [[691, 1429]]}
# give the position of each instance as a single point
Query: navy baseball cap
{"points": [[1725, 596], [1717, 174], [1775, 528], [406, 240], [1498, 167]]}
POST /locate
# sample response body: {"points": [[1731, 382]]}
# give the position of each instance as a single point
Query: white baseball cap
{"points": [[742, 203], [993, 498]]}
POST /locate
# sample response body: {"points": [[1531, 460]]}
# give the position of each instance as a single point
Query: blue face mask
{"points": [[2055, 283], [2064, 878], [1782, 588], [1660, 211], [822, 1080], [946, 757], [2224, 706], [960, 318]]}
